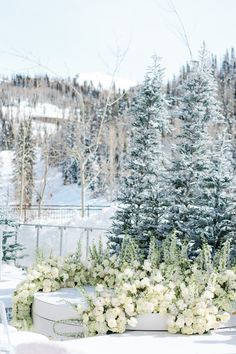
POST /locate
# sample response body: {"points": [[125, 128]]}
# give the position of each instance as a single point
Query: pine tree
{"points": [[10, 247], [199, 202], [140, 193], [24, 159], [70, 166], [6, 133]]}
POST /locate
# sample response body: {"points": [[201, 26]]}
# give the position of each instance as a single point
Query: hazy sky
{"points": [[72, 36]]}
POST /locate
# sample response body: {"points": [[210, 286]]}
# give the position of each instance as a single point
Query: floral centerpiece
{"points": [[195, 295]]}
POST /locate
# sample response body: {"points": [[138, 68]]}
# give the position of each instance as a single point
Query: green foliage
{"points": [[222, 257], [177, 286], [141, 189], [130, 251], [11, 250], [154, 255], [97, 253]]}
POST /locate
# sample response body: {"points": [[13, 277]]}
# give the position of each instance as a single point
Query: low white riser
{"points": [[50, 307], [45, 327], [231, 323], [150, 322]]}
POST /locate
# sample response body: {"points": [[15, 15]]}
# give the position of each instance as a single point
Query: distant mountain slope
{"points": [[105, 80]]}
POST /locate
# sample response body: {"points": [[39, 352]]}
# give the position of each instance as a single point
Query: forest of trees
{"points": [[90, 145]]}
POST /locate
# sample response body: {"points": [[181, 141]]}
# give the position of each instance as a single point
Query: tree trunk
{"points": [[82, 185]]}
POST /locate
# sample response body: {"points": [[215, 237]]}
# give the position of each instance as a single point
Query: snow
{"points": [[56, 192], [25, 109], [105, 80], [77, 228], [6, 177], [217, 342], [11, 277], [88, 230]]}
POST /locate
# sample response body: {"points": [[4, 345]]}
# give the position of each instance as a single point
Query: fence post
{"points": [[37, 236], [24, 213], [16, 240], [61, 228]]}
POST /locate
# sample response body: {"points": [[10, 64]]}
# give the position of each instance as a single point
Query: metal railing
{"points": [[56, 240], [55, 212], [5, 343]]}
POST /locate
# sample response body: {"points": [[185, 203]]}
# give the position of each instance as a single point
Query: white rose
{"points": [[159, 288], [180, 321], [158, 277], [85, 318], [129, 309], [128, 272], [145, 282], [47, 284], [100, 318], [111, 322], [181, 305], [54, 272], [207, 294], [99, 288], [105, 263], [80, 309], [147, 266], [132, 322], [115, 301]]}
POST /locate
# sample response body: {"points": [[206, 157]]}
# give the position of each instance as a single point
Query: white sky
{"points": [[72, 36]]}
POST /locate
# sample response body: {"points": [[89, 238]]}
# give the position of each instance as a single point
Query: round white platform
{"points": [[51, 307]]}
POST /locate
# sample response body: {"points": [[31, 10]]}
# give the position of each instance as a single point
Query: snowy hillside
{"points": [[6, 177], [55, 193], [25, 109], [106, 80]]}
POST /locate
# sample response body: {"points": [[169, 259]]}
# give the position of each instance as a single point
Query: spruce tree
{"points": [[70, 167], [6, 133], [140, 192], [24, 159], [199, 205], [11, 249]]}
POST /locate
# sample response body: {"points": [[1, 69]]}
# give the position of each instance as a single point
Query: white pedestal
{"points": [[150, 322], [51, 307], [231, 323]]}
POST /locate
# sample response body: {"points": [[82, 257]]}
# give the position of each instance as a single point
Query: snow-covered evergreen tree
{"points": [[11, 249], [70, 165], [6, 133], [24, 159], [199, 203], [140, 192]]}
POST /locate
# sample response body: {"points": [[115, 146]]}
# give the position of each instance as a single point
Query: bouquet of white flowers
{"points": [[195, 295]]}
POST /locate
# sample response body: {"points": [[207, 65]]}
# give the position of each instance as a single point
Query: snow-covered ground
{"points": [[6, 178], [88, 229], [25, 109], [56, 193], [11, 277], [217, 342]]}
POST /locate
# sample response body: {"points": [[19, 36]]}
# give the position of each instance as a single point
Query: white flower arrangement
{"points": [[195, 295]]}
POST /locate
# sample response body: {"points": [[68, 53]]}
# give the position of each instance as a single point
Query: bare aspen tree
{"points": [[40, 189], [24, 162]]}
